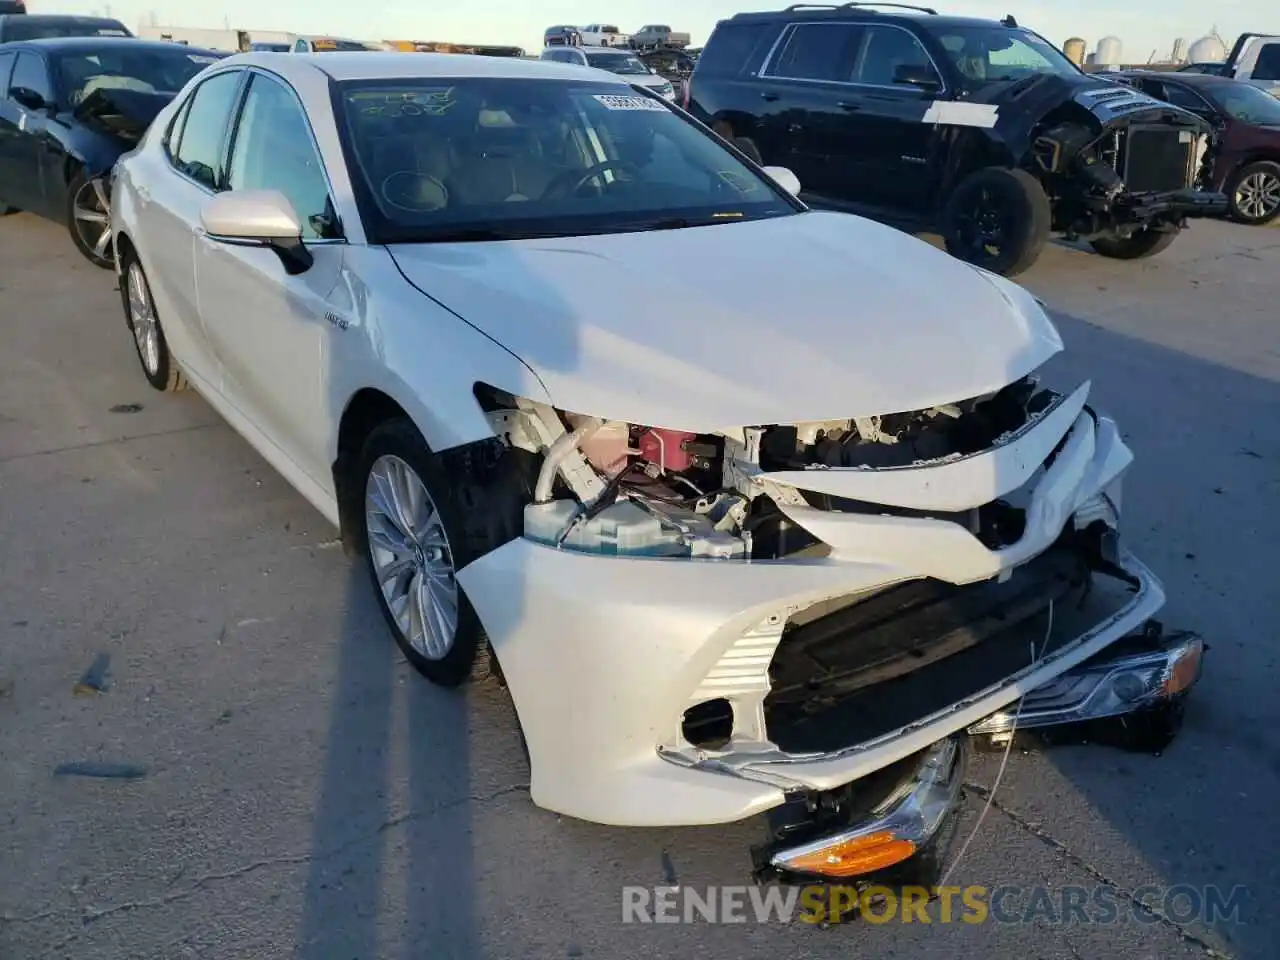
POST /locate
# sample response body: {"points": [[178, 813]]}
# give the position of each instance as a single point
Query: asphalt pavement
{"points": [[172, 613]]}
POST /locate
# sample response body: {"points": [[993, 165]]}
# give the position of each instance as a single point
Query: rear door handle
{"points": [[848, 105], [769, 96]]}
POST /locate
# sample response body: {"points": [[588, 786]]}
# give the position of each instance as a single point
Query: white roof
{"points": [[377, 66]]}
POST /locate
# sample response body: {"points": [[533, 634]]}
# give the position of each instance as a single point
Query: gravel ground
{"points": [[305, 795]]}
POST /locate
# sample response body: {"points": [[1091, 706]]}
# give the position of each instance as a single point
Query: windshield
{"points": [[484, 159], [1247, 103], [33, 28], [996, 54], [144, 69], [621, 63]]}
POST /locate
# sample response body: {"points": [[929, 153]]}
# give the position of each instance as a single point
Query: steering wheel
{"points": [[414, 192], [571, 181]]}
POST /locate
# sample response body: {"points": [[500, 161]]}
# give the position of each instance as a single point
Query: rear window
{"points": [[1268, 65], [734, 48]]}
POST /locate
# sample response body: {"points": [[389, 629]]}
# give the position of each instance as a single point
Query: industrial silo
{"points": [[1208, 49], [1074, 49], [1109, 51], [1180, 50]]}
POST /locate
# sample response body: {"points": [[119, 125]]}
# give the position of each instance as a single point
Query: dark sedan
{"points": [[69, 109], [1247, 165]]}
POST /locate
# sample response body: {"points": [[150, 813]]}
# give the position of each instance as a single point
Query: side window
{"points": [[274, 150], [31, 73], [6, 68], [174, 136], [817, 51], [200, 151], [1180, 96], [734, 48], [300, 47], [887, 51], [1268, 65]]}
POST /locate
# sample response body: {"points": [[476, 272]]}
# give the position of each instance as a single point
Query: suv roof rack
{"points": [[859, 3]]}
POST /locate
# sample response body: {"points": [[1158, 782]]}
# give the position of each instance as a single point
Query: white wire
{"points": [[1008, 748]]}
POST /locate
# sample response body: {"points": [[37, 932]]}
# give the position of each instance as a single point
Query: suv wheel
{"points": [[1253, 194], [1144, 243], [998, 219]]}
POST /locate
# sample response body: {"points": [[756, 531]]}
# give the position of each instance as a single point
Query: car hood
{"points": [[815, 316]]}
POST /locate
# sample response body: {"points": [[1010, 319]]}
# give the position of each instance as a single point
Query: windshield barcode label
{"points": [[617, 102]]}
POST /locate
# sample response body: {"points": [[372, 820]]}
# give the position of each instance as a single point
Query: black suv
{"points": [[980, 129]]}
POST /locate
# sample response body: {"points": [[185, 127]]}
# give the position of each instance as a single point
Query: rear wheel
{"points": [[89, 219], [1253, 194], [997, 219], [1137, 246], [158, 365]]}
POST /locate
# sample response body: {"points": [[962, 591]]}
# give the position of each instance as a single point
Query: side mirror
{"points": [[258, 218], [28, 98], [915, 75], [784, 178]]}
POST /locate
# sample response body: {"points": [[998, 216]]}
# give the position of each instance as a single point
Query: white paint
{"points": [[958, 113]]}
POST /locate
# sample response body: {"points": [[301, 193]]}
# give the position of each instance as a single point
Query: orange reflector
{"points": [[848, 858], [1184, 671]]}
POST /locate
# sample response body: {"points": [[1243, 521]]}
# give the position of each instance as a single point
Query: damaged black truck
{"points": [[979, 129]]}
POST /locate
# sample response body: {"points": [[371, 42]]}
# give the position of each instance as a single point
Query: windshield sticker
{"points": [[112, 33], [197, 58], [616, 102]]}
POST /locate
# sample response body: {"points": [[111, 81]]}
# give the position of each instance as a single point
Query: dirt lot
{"points": [[305, 795]]}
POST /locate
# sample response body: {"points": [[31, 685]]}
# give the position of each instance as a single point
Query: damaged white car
{"points": [[772, 536]]}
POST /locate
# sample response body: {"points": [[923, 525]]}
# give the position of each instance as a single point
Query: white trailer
{"points": [[228, 41]]}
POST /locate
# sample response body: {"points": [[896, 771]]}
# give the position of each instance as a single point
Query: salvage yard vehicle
{"points": [[715, 582], [70, 108], [1246, 150], [624, 63], [43, 26], [980, 129], [1255, 59]]}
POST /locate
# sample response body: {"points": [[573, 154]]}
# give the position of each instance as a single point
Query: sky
{"points": [[1142, 25]]}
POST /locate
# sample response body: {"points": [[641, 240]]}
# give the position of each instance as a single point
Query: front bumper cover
{"points": [[1145, 208]]}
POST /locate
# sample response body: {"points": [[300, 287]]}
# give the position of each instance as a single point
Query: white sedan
{"points": [[801, 519]]}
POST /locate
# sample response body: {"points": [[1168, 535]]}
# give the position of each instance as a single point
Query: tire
{"points": [[158, 364], [89, 219], [1253, 193], [453, 525], [1144, 243], [997, 219]]}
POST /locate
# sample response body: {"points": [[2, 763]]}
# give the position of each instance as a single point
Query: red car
{"points": [[1247, 165]]}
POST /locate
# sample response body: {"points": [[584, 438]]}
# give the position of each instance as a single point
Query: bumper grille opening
{"points": [[915, 649], [709, 724], [1157, 159]]}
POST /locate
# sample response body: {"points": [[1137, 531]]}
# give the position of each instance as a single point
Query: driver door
{"points": [[269, 329]]}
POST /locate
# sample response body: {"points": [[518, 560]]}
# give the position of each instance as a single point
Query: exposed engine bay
{"points": [[619, 488]]}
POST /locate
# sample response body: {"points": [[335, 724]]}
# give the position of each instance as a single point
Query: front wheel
{"points": [[1136, 246], [418, 535], [1253, 195], [998, 219], [89, 219]]}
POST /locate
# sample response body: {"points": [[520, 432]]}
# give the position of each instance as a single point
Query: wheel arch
{"points": [[364, 411]]}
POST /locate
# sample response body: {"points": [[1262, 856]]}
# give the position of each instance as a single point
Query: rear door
{"points": [[808, 99], [169, 205], [890, 153]]}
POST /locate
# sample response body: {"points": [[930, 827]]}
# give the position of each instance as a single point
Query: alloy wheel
{"points": [[411, 557], [91, 210], [1258, 195], [142, 315]]}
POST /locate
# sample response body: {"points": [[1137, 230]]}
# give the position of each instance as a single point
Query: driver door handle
{"points": [[768, 96], [849, 106]]}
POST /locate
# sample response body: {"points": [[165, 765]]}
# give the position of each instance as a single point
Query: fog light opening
{"points": [[709, 724]]}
